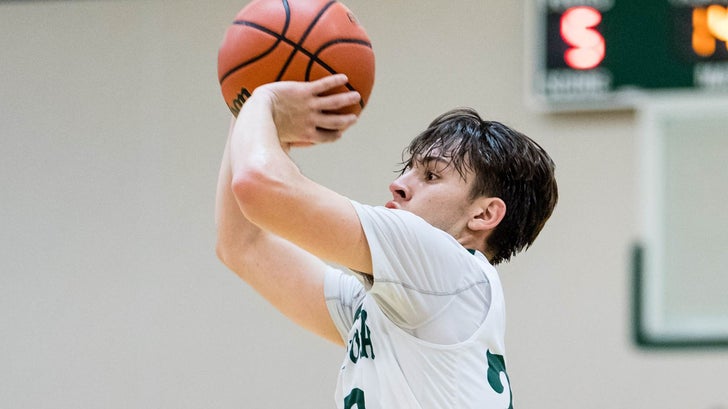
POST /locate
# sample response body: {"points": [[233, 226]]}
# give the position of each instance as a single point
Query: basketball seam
{"points": [[314, 58], [275, 35], [299, 46], [280, 37]]}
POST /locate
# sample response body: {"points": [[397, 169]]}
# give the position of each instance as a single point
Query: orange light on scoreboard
{"points": [[587, 45], [710, 26]]}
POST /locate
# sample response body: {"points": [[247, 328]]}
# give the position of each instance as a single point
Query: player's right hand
{"points": [[304, 115]]}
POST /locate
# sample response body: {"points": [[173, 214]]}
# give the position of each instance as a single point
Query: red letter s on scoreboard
{"points": [[587, 44]]}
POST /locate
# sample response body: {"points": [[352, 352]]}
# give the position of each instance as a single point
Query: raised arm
{"points": [[269, 188], [287, 276]]}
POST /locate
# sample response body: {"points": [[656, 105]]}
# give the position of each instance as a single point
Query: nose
{"points": [[399, 189]]}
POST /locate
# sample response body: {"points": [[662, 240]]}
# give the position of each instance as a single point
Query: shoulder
{"points": [[379, 220]]}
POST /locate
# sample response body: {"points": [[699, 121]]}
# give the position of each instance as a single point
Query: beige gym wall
{"points": [[111, 296]]}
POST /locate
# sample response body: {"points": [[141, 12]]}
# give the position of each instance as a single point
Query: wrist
{"points": [[261, 97]]}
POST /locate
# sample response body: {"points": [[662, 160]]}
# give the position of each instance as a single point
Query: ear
{"points": [[487, 213]]}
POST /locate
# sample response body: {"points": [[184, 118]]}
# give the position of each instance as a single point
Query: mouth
{"points": [[391, 205]]}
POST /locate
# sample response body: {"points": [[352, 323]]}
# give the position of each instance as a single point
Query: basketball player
{"points": [[421, 313]]}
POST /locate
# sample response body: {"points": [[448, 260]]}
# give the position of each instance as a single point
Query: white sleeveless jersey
{"points": [[405, 343]]}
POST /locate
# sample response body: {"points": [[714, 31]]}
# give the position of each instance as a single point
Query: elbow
{"points": [[224, 250], [221, 250], [234, 254], [255, 191], [236, 235], [247, 187], [243, 187]]}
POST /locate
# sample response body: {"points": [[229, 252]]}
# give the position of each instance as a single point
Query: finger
{"points": [[300, 144], [337, 101], [326, 83], [338, 122], [325, 135]]}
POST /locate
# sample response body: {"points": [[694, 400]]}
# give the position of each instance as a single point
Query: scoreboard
{"points": [[604, 54]]}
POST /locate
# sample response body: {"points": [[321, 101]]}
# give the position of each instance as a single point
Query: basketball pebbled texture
{"points": [[294, 40]]}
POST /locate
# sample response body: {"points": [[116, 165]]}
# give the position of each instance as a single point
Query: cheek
{"points": [[441, 209]]}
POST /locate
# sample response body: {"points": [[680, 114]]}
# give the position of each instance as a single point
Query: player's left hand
{"points": [[303, 116]]}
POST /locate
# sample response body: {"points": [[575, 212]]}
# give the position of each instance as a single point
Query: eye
{"points": [[430, 176]]}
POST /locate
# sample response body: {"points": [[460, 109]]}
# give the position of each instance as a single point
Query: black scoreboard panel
{"points": [[599, 53]]}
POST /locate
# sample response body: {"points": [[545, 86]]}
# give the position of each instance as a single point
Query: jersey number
{"points": [[355, 398], [496, 366]]}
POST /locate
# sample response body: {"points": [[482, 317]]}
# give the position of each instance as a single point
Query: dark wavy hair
{"points": [[506, 163]]}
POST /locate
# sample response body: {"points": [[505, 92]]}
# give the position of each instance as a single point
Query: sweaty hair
{"points": [[505, 163]]}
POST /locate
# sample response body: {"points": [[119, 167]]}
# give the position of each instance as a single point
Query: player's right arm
{"points": [[287, 276]]}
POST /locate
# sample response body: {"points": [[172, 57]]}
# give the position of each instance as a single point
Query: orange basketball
{"points": [[294, 40]]}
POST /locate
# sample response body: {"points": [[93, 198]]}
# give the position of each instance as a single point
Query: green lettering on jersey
{"points": [[496, 365], [355, 398], [360, 344], [366, 340]]}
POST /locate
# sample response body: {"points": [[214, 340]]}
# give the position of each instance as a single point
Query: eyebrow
{"points": [[432, 158], [447, 161]]}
